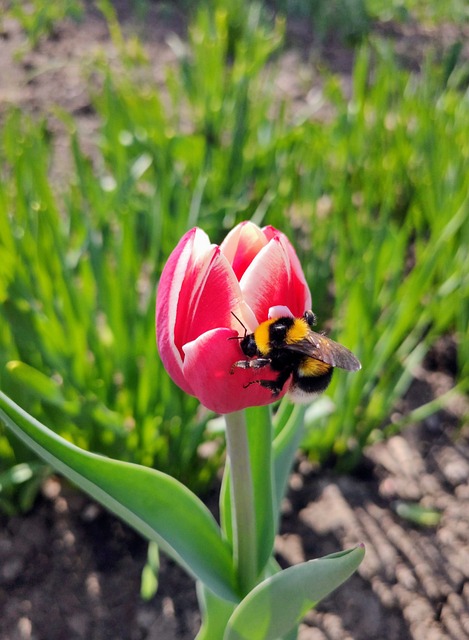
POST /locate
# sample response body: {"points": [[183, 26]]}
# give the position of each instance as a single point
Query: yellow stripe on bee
{"points": [[297, 332], [311, 367], [262, 336]]}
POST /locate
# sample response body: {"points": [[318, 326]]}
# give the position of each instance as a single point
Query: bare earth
{"points": [[70, 571]]}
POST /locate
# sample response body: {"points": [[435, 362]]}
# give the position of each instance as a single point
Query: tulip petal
{"points": [[193, 244], [297, 270], [275, 278], [270, 232], [280, 311], [298, 275], [208, 362], [241, 246], [209, 296]]}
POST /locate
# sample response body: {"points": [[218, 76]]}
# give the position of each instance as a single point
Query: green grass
{"points": [[429, 13], [39, 19], [374, 196], [396, 237], [78, 343]]}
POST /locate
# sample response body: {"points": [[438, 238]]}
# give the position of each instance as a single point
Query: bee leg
{"points": [[256, 363], [267, 384], [275, 386]]}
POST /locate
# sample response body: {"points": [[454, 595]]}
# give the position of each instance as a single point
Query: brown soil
{"points": [[70, 571]]}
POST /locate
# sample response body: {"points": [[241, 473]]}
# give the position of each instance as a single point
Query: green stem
{"points": [[242, 500]]}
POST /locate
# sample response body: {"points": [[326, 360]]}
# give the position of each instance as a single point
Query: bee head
{"points": [[248, 346], [247, 342]]}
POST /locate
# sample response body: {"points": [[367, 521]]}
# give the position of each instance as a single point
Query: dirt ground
{"points": [[70, 571]]}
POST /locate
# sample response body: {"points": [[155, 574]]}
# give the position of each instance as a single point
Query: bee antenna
{"points": [[243, 325]]}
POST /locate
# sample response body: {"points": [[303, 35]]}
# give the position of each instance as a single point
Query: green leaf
{"points": [[155, 504], [149, 581], [285, 446], [276, 605], [19, 486], [416, 513], [36, 382], [215, 614]]}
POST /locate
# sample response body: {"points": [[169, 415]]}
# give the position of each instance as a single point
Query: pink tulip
{"points": [[201, 287]]}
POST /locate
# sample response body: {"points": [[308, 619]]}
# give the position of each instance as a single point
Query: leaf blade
{"points": [[286, 597], [155, 504]]}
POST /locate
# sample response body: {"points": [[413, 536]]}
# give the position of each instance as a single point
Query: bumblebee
{"points": [[290, 347]]}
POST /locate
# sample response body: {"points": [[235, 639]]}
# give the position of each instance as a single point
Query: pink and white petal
{"points": [[208, 362], [298, 277], [241, 246], [208, 297], [243, 319], [187, 251], [269, 282], [270, 232], [280, 311]]}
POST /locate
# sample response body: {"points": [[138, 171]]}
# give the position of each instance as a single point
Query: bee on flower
{"points": [[234, 326]]}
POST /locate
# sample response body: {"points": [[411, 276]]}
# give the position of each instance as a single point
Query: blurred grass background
{"points": [[369, 179]]}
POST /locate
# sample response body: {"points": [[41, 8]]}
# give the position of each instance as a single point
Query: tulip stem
{"points": [[242, 500]]}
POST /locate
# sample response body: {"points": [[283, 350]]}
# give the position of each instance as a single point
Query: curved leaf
{"points": [[155, 504], [276, 605], [215, 614]]}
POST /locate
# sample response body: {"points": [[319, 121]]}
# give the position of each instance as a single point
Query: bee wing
{"points": [[326, 350]]}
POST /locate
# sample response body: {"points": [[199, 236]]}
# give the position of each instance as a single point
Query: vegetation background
{"points": [[345, 124]]}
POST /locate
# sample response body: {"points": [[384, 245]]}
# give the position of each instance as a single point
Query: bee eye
{"points": [[310, 318]]}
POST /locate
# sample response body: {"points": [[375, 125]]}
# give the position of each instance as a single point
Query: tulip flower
{"points": [[210, 294], [242, 592]]}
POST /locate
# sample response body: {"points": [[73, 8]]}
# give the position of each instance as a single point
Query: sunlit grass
{"points": [[395, 237], [374, 196]]}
